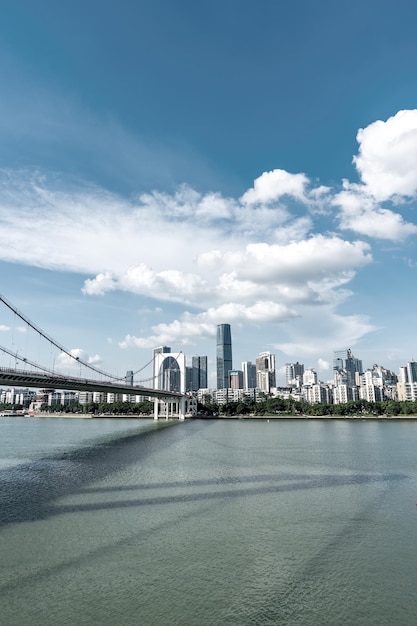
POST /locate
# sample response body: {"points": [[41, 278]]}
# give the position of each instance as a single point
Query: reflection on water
{"points": [[207, 522]]}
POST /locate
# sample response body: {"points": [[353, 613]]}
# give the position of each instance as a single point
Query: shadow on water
{"points": [[27, 490], [316, 482]]}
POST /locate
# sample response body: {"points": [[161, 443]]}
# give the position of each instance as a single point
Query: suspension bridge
{"points": [[19, 368]]}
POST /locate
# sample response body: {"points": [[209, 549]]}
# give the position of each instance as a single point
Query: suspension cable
{"points": [[55, 343]]}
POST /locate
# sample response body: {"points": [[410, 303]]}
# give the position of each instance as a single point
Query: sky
{"points": [[169, 166]]}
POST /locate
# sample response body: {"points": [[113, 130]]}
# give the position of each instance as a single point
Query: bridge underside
{"points": [[15, 378]]}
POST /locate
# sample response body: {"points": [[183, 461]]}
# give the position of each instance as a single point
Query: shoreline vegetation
{"points": [[266, 408]]}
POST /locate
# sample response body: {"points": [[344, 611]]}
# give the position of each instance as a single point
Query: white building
{"points": [[310, 377]]}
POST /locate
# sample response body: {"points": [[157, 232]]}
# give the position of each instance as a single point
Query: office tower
{"points": [[249, 375], [224, 355], [129, 378], [199, 373], [294, 374], [265, 371], [343, 360]]}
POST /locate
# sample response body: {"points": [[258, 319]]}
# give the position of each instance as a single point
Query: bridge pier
{"points": [[169, 409]]}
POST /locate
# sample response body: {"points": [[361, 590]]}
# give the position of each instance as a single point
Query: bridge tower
{"points": [[169, 375]]}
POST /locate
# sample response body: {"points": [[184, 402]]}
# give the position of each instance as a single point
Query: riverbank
{"points": [[380, 418]]}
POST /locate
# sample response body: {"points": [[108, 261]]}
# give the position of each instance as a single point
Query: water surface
{"points": [[234, 522]]}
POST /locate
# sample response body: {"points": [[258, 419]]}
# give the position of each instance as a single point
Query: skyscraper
{"points": [[224, 355], [199, 373]]}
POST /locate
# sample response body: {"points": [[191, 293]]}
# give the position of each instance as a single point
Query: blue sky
{"points": [[169, 166]]}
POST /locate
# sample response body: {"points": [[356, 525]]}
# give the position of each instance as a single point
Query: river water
{"points": [[115, 522]]}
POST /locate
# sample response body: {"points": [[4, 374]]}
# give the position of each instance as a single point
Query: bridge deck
{"points": [[22, 378]]}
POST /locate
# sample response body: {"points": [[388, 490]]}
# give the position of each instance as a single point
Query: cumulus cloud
{"points": [[361, 214], [275, 255], [387, 159], [271, 186], [191, 327], [305, 271]]}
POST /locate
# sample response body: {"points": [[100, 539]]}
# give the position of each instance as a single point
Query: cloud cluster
{"points": [[387, 167], [64, 363], [256, 259]]}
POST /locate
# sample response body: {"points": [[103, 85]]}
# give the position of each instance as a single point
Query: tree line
{"points": [[264, 406], [281, 406]]}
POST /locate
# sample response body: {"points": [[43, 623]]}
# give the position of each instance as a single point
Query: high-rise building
{"points": [[343, 360], [265, 371], [249, 375], [407, 382], [294, 374], [189, 379], [199, 373], [224, 355]]}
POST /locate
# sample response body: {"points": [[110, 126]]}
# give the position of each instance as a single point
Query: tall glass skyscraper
{"points": [[199, 373], [224, 355]]}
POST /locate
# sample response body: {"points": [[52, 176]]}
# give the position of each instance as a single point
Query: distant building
{"points": [[236, 379], [310, 377], [188, 379], [317, 393], [407, 382], [265, 371], [224, 355], [249, 375], [343, 360], [199, 373], [294, 374]]}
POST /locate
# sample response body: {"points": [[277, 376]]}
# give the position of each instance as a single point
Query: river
{"points": [[207, 522]]}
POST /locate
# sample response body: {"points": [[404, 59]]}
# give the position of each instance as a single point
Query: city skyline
{"points": [[165, 169]]}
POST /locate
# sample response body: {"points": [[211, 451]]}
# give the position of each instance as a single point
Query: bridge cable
{"points": [[55, 343]]}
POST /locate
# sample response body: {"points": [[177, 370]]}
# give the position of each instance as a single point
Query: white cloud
{"points": [[323, 366], [387, 159], [64, 363], [305, 271], [330, 329], [271, 186], [297, 262], [361, 214], [251, 260], [4, 328], [190, 327]]}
